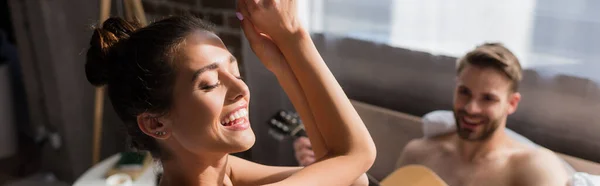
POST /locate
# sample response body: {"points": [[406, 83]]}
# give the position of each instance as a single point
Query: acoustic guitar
{"points": [[288, 124], [413, 175]]}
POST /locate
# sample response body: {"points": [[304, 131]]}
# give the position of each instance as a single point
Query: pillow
{"points": [[438, 122], [584, 179], [441, 122]]}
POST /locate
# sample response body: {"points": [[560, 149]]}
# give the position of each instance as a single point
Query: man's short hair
{"points": [[496, 56]]}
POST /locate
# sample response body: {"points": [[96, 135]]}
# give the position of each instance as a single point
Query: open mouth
{"points": [[237, 117], [472, 122]]}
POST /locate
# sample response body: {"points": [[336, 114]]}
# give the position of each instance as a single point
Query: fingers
{"points": [[251, 5], [302, 143], [247, 25], [304, 154], [242, 8], [268, 3], [306, 161], [305, 157]]}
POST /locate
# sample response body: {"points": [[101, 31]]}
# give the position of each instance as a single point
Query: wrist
{"points": [[294, 37]]}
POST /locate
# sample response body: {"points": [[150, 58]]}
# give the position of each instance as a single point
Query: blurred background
{"points": [[393, 54]]}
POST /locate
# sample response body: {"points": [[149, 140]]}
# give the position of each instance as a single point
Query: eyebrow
{"points": [[212, 66], [484, 93]]}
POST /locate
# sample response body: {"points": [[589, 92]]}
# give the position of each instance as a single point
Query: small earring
{"points": [[160, 133]]}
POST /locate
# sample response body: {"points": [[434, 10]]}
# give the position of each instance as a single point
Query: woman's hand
{"points": [[262, 45], [275, 18]]}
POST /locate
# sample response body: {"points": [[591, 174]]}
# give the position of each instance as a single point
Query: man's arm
{"points": [[541, 167]]}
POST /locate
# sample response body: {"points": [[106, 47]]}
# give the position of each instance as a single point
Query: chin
{"points": [[470, 135], [244, 143]]}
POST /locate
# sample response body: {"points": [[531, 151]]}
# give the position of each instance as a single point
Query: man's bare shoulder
{"points": [[532, 156], [426, 145], [537, 166], [417, 150]]}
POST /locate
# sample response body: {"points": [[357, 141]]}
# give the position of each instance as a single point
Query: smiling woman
{"points": [[179, 92]]}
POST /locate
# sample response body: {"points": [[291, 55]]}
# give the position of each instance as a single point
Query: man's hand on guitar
{"points": [[303, 151]]}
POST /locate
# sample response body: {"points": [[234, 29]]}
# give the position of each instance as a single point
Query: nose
{"points": [[236, 89], [472, 107]]}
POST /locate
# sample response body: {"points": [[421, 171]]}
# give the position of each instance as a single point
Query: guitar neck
{"points": [[299, 132]]}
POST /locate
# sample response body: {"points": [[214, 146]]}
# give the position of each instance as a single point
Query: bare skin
{"points": [[484, 154], [303, 151], [504, 165], [208, 91]]}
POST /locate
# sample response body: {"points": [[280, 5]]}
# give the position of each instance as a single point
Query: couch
{"points": [[392, 130]]}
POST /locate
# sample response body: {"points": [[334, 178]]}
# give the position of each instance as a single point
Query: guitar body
{"points": [[413, 175]]}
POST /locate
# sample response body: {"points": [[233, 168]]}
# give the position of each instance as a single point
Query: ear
{"points": [[513, 102], [155, 126]]}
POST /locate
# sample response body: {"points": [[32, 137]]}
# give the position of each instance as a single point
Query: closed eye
{"points": [[464, 91], [209, 87], [488, 97]]}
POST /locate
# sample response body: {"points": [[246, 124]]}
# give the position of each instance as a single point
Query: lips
{"points": [[231, 118], [236, 120], [471, 122], [234, 117]]}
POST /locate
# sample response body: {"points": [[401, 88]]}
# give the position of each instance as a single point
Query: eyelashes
{"points": [[210, 87], [213, 86]]}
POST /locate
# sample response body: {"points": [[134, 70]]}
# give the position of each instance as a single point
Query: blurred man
{"points": [[480, 152]]}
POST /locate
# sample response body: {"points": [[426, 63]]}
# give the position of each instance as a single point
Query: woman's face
{"points": [[210, 101]]}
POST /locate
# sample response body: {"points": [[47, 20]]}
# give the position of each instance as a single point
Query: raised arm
{"points": [[349, 149], [271, 56]]}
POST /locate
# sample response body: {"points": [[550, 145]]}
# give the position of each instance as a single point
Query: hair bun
{"points": [[102, 48]]}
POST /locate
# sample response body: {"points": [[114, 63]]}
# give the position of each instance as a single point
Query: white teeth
{"points": [[240, 113], [472, 120], [236, 115]]}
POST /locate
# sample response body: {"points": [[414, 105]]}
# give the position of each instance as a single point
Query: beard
{"points": [[489, 126]]}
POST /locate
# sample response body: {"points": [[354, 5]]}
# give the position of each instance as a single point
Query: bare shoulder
{"points": [[417, 150], [423, 146], [537, 166]]}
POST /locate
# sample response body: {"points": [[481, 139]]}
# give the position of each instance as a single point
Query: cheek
{"points": [[199, 113], [494, 111], [459, 102]]}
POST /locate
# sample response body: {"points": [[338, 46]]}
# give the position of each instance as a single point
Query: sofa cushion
{"points": [[390, 131]]}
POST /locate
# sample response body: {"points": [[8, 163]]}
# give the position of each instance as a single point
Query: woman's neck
{"points": [[194, 170]]}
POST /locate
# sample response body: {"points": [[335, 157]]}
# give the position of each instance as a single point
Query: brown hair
{"points": [[496, 56], [137, 67]]}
